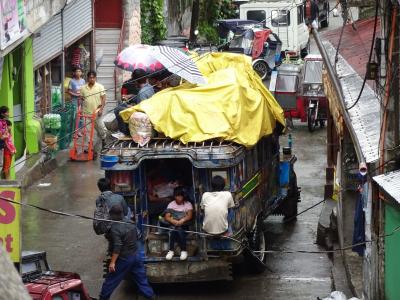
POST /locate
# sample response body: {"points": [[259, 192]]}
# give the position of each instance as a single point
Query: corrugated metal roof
{"points": [[365, 116], [355, 44], [390, 183]]}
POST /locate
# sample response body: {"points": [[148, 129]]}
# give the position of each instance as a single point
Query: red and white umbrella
{"points": [[138, 57], [153, 59]]}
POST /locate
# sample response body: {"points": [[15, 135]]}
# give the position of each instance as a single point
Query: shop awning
{"points": [[390, 183], [365, 115]]}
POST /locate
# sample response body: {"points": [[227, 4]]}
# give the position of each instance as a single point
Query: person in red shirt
{"points": [[9, 151]]}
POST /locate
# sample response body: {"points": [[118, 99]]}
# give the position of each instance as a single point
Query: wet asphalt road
{"points": [[71, 244]]}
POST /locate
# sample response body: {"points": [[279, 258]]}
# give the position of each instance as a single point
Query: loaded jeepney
{"points": [[228, 127], [261, 180]]}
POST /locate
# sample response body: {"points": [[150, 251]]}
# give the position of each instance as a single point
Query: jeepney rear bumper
{"points": [[189, 271]]}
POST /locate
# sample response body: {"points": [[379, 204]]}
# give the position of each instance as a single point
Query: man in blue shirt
{"points": [[74, 88]]}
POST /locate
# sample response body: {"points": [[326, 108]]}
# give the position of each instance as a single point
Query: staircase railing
{"points": [[117, 72]]}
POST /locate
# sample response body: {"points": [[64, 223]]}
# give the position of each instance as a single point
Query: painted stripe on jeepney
{"points": [[250, 186]]}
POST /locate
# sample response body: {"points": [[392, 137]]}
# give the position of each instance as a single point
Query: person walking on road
{"points": [[311, 12], [125, 257], [93, 97]]}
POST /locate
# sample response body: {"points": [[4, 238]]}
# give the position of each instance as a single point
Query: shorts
{"points": [[7, 158]]}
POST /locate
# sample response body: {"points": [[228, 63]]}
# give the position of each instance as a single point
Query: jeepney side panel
{"points": [[258, 183]]}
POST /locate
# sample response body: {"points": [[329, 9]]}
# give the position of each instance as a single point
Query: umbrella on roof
{"points": [[156, 58], [138, 57], [178, 62]]}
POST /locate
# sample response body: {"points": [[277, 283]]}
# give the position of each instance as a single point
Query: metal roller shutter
{"points": [[47, 44], [77, 22]]}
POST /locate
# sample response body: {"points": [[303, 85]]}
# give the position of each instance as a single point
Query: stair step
{"points": [[106, 50], [107, 36]]}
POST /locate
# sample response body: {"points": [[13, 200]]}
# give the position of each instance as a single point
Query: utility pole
{"points": [[396, 85]]}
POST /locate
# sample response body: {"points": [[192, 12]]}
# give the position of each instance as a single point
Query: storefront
{"points": [[49, 76], [16, 88], [64, 42]]}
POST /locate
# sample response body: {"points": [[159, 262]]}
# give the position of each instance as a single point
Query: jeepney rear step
{"points": [[188, 271]]}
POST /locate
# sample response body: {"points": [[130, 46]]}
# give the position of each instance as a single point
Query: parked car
{"points": [[44, 284]]}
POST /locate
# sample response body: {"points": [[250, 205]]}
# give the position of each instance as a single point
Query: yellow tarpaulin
{"points": [[234, 105]]}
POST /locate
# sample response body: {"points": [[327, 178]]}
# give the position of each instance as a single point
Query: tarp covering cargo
{"points": [[234, 105]]}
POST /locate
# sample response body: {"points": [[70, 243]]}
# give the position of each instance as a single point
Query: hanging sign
{"points": [[10, 231], [13, 21]]}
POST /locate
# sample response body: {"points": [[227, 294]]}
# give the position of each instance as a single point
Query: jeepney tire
{"points": [[325, 23], [304, 52], [290, 207], [255, 262], [321, 123], [311, 119], [261, 67]]}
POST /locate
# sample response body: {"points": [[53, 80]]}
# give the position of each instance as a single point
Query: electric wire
{"points": [[369, 58], [289, 8], [78, 129], [84, 217]]}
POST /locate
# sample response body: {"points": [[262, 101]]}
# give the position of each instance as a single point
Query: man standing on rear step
{"points": [[93, 97], [125, 257], [311, 13]]}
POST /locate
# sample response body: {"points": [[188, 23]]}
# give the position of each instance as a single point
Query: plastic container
{"points": [[108, 161]]}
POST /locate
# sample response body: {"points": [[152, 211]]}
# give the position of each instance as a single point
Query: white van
{"points": [[285, 18]]}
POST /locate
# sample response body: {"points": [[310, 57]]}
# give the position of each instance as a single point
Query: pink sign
{"points": [[13, 21]]}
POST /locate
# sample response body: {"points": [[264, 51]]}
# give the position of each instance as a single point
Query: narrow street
{"points": [[71, 244]]}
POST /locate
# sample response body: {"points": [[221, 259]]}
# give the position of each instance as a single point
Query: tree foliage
{"points": [[210, 12], [152, 21]]}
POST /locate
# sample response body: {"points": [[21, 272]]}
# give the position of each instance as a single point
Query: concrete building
{"points": [[20, 19], [364, 127], [41, 44]]}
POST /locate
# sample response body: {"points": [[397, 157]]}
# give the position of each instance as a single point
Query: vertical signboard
{"points": [[13, 21], [10, 233]]}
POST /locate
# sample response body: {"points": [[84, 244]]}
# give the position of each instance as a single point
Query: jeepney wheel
{"points": [[290, 208], [311, 121], [254, 253], [321, 123], [261, 68], [325, 23], [304, 52]]}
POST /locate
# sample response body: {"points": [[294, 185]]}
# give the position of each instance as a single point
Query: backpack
{"points": [[101, 212]]}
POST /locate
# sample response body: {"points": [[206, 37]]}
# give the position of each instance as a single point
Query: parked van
{"points": [[285, 18]]}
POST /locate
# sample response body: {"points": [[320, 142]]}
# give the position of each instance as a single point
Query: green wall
{"points": [[392, 253], [17, 87]]}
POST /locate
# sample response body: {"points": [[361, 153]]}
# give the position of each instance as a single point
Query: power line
{"points": [[288, 8], [80, 216], [369, 58], [90, 122]]}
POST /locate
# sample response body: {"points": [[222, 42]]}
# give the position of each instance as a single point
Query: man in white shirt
{"points": [[215, 205]]}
